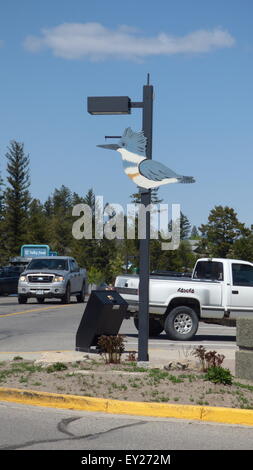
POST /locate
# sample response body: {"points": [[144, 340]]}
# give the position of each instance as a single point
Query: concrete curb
{"points": [[161, 410]]}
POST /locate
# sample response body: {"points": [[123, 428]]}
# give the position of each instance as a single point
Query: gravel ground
{"points": [[126, 381]]}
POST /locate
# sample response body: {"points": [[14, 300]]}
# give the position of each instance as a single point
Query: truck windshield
{"points": [[212, 270], [61, 264]]}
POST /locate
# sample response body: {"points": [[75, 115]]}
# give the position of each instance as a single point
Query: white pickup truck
{"points": [[219, 291]]}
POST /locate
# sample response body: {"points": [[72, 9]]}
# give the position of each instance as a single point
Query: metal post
{"points": [[147, 122]]}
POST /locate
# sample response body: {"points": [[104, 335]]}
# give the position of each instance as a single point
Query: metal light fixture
{"points": [[109, 105]]}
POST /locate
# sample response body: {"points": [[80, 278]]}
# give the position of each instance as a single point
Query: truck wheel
{"points": [[155, 327], [181, 323], [22, 299], [81, 297], [66, 297], [40, 300]]}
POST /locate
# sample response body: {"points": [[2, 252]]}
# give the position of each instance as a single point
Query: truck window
{"points": [[52, 263], [74, 266], [242, 274], [212, 270]]}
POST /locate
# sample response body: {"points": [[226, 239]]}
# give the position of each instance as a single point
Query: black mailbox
{"points": [[103, 315]]}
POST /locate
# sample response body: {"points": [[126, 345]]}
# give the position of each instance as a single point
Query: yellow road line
{"points": [[36, 352], [34, 310]]}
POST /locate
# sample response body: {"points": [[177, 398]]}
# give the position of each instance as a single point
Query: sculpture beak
{"points": [[109, 146]]}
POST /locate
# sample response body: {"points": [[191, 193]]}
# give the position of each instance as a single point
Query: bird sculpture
{"points": [[143, 171]]}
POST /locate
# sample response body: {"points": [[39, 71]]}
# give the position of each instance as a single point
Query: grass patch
{"points": [[58, 366], [244, 386], [25, 367]]}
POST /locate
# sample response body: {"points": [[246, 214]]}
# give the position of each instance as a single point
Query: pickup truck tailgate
{"points": [[128, 287]]}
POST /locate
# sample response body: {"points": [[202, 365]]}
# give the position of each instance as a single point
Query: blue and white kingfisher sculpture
{"points": [[144, 172]]}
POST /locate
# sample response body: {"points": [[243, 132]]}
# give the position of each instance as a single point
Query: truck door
{"points": [[241, 295], [74, 276], [78, 277]]}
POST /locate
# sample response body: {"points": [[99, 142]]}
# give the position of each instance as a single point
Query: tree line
{"points": [[26, 220]]}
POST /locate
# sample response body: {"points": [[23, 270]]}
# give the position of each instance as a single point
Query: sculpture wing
{"points": [[156, 171]]}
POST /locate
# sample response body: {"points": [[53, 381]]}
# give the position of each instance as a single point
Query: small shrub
{"points": [[219, 375], [214, 359], [111, 348], [199, 352], [131, 356], [58, 366], [208, 358]]}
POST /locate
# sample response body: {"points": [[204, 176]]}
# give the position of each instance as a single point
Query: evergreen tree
{"points": [[38, 225], [242, 249], [60, 222], [221, 231], [1, 198], [48, 207], [180, 260], [185, 226], [136, 197], [90, 200], [194, 233], [132, 247], [2, 233], [91, 253], [16, 198]]}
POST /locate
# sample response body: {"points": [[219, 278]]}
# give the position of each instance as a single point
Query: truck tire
{"points": [[22, 299], [155, 326], [181, 323], [66, 297], [40, 300], [81, 297]]}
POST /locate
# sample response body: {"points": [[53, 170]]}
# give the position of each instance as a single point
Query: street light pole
{"points": [[123, 105], [144, 263]]}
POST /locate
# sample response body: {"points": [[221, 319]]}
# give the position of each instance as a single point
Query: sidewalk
{"points": [[158, 357]]}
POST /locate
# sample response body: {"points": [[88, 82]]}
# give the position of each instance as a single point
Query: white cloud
{"points": [[95, 42]]}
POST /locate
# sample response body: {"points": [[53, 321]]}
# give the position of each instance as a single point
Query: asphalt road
{"points": [[53, 326], [35, 428]]}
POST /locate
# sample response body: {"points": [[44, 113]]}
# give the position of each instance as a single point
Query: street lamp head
{"points": [[109, 105]]}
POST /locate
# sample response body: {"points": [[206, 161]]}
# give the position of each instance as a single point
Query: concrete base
{"points": [[244, 364], [244, 333]]}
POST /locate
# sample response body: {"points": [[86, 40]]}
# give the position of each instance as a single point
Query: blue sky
{"points": [[53, 54]]}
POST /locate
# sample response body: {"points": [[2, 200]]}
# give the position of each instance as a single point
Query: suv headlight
{"points": [[58, 278], [22, 278]]}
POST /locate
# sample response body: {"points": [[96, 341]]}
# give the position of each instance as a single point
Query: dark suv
{"points": [[9, 276]]}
